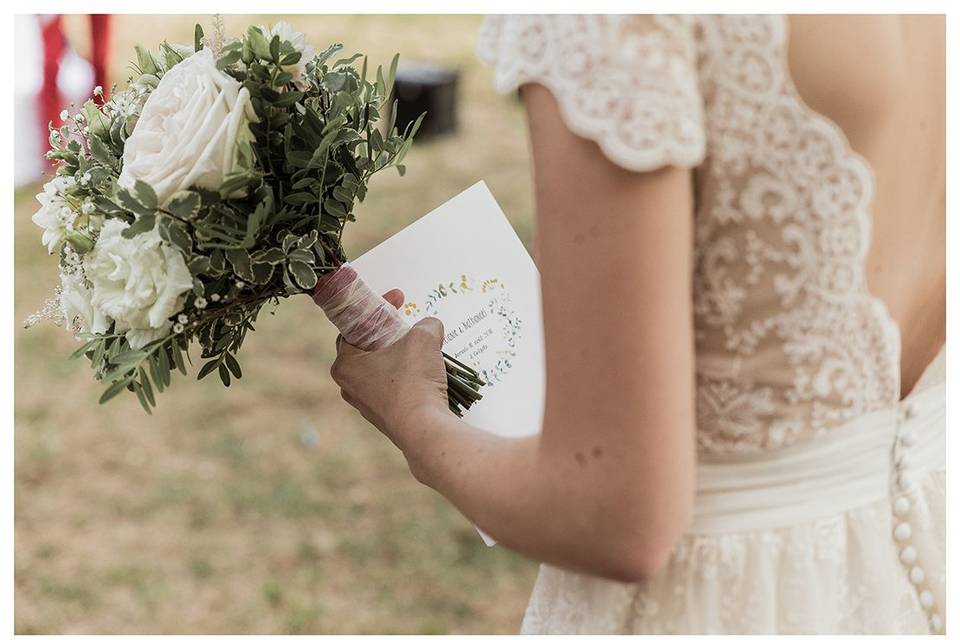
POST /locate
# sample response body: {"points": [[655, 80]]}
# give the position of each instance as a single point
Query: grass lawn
{"points": [[271, 507]]}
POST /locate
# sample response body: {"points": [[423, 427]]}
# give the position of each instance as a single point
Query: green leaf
{"points": [[224, 375], [262, 272], [258, 43], [288, 98], [392, 74], [291, 58], [236, 183], [184, 204], [240, 259], [343, 195], [200, 265], [176, 234], [113, 390], [171, 56], [275, 49], [303, 274], [346, 61], [228, 59], [87, 346], [142, 397], [246, 52], [129, 203], [233, 365], [334, 81], [334, 207], [197, 37], [142, 224], [301, 255], [101, 152], [208, 368], [147, 387], [130, 356], [301, 197], [146, 61], [178, 358], [97, 122], [329, 51], [145, 194], [80, 242], [163, 367], [270, 255]]}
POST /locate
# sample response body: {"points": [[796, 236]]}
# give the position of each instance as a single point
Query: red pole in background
{"points": [[54, 43], [50, 102]]}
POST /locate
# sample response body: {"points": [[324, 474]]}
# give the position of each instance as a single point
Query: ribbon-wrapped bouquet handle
{"points": [[369, 322]]}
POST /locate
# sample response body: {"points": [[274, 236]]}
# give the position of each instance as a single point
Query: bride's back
{"points": [[820, 213], [882, 80]]}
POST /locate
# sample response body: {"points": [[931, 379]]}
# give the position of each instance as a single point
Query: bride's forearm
{"points": [[530, 501]]}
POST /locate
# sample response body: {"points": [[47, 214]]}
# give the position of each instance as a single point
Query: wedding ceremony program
{"points": [[464, 264]]}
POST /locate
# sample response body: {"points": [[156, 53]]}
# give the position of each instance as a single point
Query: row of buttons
{"points": [[902, 504]]}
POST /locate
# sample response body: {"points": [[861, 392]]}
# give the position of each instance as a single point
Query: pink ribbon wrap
{"points": [[364, 319]]}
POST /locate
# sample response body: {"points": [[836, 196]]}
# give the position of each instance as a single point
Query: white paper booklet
{"points": [[464, 264]]}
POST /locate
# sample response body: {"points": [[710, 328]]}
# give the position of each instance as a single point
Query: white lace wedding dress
{"points": [[820, 503]]}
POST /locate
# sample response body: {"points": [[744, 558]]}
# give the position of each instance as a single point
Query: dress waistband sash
{"points": [[849, 466]]}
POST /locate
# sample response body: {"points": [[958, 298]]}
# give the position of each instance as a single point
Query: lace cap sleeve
{"points": [[629, 83]]}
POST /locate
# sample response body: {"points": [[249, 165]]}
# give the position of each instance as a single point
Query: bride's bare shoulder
{"points": [[859, 70]]}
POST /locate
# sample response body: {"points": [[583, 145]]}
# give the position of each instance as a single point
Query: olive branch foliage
{"points": [[273, 226]]}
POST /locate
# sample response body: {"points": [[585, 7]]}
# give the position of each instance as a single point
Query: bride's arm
{"points": [[607, 487]]}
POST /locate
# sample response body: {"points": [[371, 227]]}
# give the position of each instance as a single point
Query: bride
{"points": [[740, 232]]}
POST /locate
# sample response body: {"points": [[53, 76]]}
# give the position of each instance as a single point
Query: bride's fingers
{"points": [[394, 297]]}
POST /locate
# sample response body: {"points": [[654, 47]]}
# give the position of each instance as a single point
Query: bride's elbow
{"points": [[640, 549], [635, 562]]}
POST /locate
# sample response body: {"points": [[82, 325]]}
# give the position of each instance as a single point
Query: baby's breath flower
{"points": [[178, 328], [239, 284], [64, 115], [78, 117], [215, 297], [200, 303], [87, 207], [98, 90]]}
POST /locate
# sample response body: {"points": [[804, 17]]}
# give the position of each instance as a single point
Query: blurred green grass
{"points": [[271, 507]]}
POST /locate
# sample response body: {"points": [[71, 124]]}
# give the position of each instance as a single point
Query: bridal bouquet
{"points": [[219, 180]]}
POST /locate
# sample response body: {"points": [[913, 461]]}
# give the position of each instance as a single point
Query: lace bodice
{"points": [[789, 341]]}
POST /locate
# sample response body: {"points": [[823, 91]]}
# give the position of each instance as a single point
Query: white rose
{"points": [[188, 130], [299, 41], [78, 311], [54, 216], [139, 282]]}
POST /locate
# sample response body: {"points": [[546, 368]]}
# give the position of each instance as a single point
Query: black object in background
{"points": [[429, 88]]}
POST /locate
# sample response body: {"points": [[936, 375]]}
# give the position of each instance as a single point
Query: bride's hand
{"points": [[393, 386]]}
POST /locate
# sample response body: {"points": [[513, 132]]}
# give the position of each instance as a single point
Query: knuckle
{"points": [[428, 330], [337, 371]]}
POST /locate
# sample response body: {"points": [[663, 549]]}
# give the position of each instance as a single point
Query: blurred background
{"points": [[269, 507]]}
